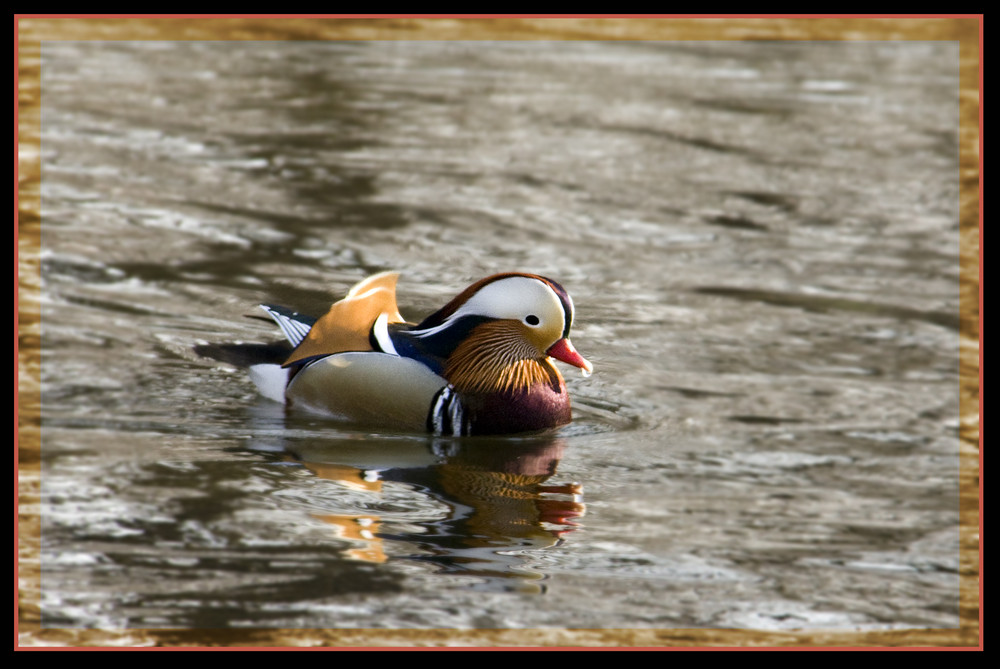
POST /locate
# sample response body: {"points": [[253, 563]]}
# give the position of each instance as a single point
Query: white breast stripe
{"points": [[455, 414], [446, 416], [436, 417]]}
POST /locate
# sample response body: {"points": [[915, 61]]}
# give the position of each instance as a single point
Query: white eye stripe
{"points": [[507, 298]]}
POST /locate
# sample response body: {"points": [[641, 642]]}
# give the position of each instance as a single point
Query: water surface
{"points": [[761, 239]]}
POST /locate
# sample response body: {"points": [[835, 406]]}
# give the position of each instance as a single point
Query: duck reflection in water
{"points": [[498, 508]]}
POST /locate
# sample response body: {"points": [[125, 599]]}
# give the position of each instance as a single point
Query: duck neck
{"points": [[495, 358]]}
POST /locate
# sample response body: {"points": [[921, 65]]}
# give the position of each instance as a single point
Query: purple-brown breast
{"points": [[539, 407]]}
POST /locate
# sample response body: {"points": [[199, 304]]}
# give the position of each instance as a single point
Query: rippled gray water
{"points": [[762, 243]]}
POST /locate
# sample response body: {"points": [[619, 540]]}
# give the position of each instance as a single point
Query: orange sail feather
{"points": [[348, 323]]}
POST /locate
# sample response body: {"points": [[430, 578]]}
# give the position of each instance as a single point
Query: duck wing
{"points": [[347, 326]]}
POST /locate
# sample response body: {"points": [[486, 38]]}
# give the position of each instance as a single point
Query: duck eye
{"points": [[531, 319]]}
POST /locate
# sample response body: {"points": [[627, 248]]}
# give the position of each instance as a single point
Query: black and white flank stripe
{"points": [[447, 416]]}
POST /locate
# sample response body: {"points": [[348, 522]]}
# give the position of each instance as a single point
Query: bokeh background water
{"points": [[763, 242]]}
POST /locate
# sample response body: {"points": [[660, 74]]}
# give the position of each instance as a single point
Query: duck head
{"points": [[499, 333]]}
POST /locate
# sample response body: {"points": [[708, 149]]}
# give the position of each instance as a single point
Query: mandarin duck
{"points": [[479, 365]]}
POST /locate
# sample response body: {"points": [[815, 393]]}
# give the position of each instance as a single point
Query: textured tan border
{"points": [[32, 30]]}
